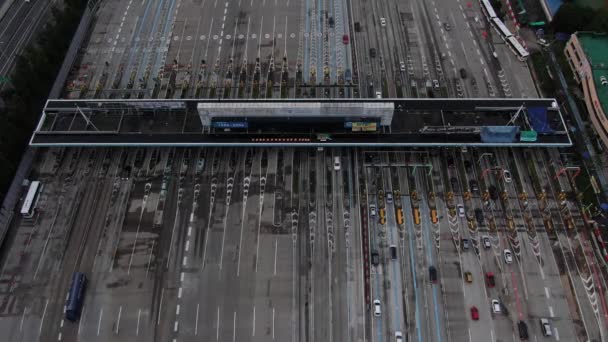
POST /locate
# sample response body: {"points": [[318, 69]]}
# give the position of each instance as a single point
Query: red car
{"points": [[474, 313], [490, 279], [345, 39]]}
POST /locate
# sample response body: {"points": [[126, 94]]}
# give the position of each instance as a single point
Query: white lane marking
{"points": [[492, 335], [253, 329], [460, 6], [447, 46], [273, 323], [478, 52], [84, 312], [175, 326], [118, 320], [42, 319], [59, 337], [61, 323], [179, 293], [276, 241], [177, 310], [481, 61], [547, 292], [137, 327], [468, 25], [196, 322], [471, 34], [160, 305], [150, 258], [475, 43], [22, 317], [189, 232], [99, 322], [185, 261], [187, 245], [551, 314], [234, 327], [556, 334], [217, 330], [469, 334]]}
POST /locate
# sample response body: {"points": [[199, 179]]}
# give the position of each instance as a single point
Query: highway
{"points": [[264, 244]]}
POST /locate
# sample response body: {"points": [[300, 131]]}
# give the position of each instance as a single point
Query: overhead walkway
{"points": [[335, 122]]}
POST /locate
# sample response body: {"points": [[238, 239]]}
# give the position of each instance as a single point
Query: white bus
{"points": [[502, 30], [521, 53], [487, 9], [31, 199]]}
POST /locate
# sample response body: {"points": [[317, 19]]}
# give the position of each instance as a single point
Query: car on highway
{"points": [[545, 327], [496, 306], [474, 185], [493, 192], [508, 256], [372, 52], [398, 336], [389, 197], [522, 327], [447, 26], [460, 210], [383, 22], [331, 21], [375, 258], [490, 279], [372, 210], [479, 216], [337, 163], [466, 244], [433, 274], [474, 313], [377, 309], [454, 183], [468, 277], [378, 94], [393, 249], [463, 72], [486, 242], [357, 27], [450, 162], [467, 166], [435, 84], [345, 39], [507, 176], [401, 66]]}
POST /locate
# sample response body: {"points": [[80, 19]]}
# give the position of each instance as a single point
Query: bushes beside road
{"points": [[30, 83]]}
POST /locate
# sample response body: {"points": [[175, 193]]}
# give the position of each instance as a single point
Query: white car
{"points": [[389, 197], [337, 163], [383, 21], [378, 94], [545, 327], [402, 66], [496, 306], [486, 242], [508, 256], [398, 336], [377, 311], [460, 210], [507, 176], [372, 210]]}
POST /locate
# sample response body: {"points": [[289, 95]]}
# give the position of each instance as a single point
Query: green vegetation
{"points": [[31, 82], [547, 85], [572, 17]]}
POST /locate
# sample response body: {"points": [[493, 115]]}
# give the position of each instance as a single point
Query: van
{"points": [[393, 249], [465, 244], [545, 327], [337, 163], [522, 327]]}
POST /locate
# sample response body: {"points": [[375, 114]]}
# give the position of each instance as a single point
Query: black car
{"points": [[433, 274], [479, 216], [372, 52], [375, 258], [331, 21], [522, 327], [463, 73], [393, 252], [493, 192], [451, 162], [357, 27], [473, 185]]}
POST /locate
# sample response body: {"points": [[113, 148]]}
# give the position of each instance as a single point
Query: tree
{"points": [[571, 18]]}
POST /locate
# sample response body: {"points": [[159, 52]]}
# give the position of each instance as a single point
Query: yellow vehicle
{"points": [[416, 216], [400, 216], [434, 218]]}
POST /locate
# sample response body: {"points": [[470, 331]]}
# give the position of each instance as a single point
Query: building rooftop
{"points": [[596, 50]]}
